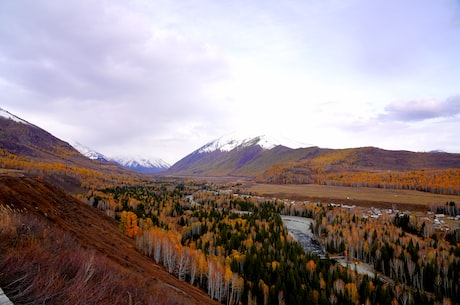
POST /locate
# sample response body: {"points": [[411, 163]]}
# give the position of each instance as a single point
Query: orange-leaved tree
{"points": [[128, 224]]}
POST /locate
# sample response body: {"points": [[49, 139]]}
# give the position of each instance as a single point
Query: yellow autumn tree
{"points": [[128, 224]]}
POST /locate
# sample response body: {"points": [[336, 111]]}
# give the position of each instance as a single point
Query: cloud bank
{"points": [[107, 69], [162, 78]]}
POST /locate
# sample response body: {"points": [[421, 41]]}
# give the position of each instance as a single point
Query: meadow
{"points": [[361, 196]]}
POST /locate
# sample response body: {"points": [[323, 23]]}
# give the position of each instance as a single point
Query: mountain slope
{"points": [[251, 158], [92, 230], [22, 139]]}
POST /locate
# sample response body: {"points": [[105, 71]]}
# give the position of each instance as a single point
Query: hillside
{"points": [[21, 138], [92, 230]]}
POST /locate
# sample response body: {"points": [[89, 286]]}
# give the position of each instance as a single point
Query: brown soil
{"points": [[94, 230]]}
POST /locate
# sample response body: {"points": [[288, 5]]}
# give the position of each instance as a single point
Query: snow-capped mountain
{"points": [[90, 153], [232, 141], [236, 155], [138, 163], [141, 164]]}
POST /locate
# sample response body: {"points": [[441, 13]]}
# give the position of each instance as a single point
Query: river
{"points": [[299, 229]]}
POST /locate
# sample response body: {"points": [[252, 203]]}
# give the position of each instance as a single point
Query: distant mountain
{"points": [[260, 156], [142, 165], [237, 156], [90, 153], [138, 164]]}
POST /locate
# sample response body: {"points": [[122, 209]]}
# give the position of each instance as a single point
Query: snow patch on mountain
{"points": [[232, 141], [7, 115]]}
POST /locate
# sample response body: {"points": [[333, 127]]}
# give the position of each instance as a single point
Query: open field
{"points": [[383, 198]]}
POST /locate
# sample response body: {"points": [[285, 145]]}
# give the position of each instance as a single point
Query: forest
{"points": [[235, 247]]}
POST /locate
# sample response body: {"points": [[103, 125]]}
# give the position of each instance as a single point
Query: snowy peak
{"points": [[230, 142], [89, 153], [7, 115], [140, 162], [238, 156]]}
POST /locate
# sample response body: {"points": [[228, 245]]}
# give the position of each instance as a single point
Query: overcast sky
{"points": [[162, 78]]}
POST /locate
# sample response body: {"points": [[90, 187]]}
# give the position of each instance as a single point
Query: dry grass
{"points": [[62, 222], [41, 265], [350, 195]]}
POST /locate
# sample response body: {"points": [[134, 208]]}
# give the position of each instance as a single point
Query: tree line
{"points": [[445, 181]]}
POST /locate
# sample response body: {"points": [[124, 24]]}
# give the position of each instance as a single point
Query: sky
{"points": [[160, 78]]}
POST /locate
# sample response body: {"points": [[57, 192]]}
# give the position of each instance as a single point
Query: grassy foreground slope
{"points": [[54, 249]]}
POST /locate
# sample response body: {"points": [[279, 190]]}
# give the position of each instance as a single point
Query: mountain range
{"points": [[233, 156], [137, 163], [252, 157]]}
